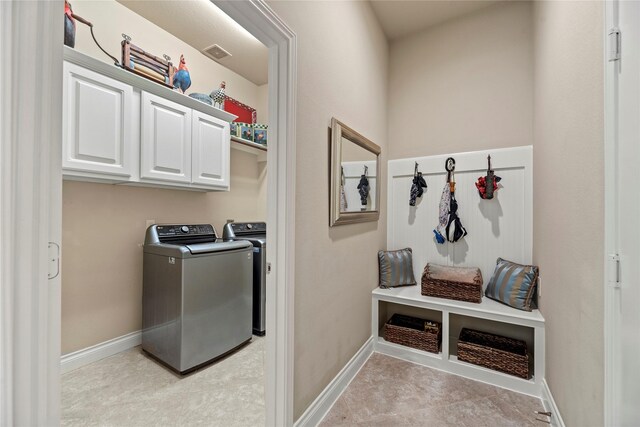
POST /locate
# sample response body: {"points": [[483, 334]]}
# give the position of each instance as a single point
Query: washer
{"points": [[196, 296], [256, 233]]}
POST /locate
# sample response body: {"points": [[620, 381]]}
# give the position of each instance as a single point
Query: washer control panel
{"points": [[249, 227], [185, 230]]}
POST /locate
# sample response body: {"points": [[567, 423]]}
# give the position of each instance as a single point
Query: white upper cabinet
{"points": [[121, 128], [165, 152], [97, 128], [210, 151]]}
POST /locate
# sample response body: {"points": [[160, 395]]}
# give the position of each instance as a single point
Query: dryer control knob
{"points": [[184, 229], [249, 226]]}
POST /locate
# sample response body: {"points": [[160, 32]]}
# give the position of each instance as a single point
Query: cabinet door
{"points": [[97, 124], [165, 152], [210, 151]]}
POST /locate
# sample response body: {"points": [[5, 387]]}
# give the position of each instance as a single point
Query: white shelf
{"points": [[489, 376], [454, 366], [249, 147], [393, 349], [487, 309], [454, 359]]}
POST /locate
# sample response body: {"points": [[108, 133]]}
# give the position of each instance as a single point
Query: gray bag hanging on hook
{"points": [[417, 186], [364, 187]]}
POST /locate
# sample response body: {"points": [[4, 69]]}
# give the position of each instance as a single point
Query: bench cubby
{"points": [[488, 316]]}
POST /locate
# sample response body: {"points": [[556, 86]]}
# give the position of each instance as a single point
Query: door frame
{"points": [[612, 319], [31, 208], [30, 211], [262, 22]]}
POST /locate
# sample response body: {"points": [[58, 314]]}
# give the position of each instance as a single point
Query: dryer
{"points": [[256, 233]]}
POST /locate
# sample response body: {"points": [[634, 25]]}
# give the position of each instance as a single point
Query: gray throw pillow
{"points": [[513, 284], [396, 268]]}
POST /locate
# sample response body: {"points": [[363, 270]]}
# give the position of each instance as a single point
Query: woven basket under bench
{"points": [[495, 352], [413, 332], [458, 283]]}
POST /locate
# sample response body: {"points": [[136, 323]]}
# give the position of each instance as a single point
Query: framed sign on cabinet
{"points": [[245, 113]]}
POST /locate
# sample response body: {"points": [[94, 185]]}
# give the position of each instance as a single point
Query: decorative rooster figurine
{"points": [[69, 25], [182, 79], [218, 95]]}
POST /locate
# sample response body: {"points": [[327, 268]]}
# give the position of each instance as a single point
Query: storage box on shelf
{"points": [[260, 134], [413, 332], [247, 144], [454, 316], [245, 131], [458, 283], [249, 147], [495, 352]]}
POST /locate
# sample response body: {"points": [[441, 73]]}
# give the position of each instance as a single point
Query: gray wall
{"points": [[516, 74], [511, 74], [463, 85], [102, 283], [569, 201], [342, 72]]}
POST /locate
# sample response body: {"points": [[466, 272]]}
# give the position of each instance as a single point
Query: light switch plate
{"points": [[539, 287]]}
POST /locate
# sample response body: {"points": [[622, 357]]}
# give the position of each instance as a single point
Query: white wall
{"points": [[262, 105], [102, 283], [342, 72], [569, 201], [463, 85]]}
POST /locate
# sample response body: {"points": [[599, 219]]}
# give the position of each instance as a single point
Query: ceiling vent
{"points": [[215, 52]]}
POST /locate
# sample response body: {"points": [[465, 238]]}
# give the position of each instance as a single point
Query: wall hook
{"points": [[450, 164]]}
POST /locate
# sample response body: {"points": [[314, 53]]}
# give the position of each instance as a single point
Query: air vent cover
{"points": [[215, 52]]}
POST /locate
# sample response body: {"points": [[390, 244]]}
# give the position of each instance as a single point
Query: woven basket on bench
{"points": [[459, 283], [495, 352], [413, 332]]}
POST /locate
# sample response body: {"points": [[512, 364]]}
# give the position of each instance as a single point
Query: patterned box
{"points": [[234, 129], [245, 131], [260, 135]]}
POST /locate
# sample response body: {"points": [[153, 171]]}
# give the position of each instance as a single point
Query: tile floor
{"points": [[389, 392], [131, 389]]}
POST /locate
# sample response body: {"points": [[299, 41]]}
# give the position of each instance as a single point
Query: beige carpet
{"points": [[131, 389]]}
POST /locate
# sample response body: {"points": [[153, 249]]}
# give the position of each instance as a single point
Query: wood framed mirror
{"points": [[355, 176]]}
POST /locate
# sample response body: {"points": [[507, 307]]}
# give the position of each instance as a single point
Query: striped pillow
{"points": [[396, 268], [513, 284]]}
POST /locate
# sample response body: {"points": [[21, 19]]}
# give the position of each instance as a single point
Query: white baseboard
{"points": [[75, 360], [323, 403], [550, 405]]}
